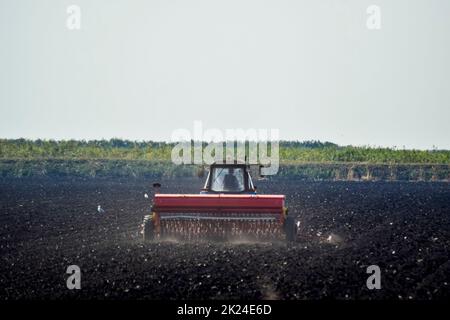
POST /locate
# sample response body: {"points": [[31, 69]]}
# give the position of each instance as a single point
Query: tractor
{"points": [[228, 207]]}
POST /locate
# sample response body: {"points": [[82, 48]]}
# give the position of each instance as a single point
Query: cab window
{"points": [[227, 179]]}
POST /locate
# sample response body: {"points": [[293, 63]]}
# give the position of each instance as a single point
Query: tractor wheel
{"points": [[290, 228], [148, 228]]}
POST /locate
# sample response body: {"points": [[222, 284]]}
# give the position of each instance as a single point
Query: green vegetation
{"points": [[306, 160], [290, 152]]}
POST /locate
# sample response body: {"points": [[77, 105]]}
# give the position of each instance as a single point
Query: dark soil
{"points": [[48, 224]]}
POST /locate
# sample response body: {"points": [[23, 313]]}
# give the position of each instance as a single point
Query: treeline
{"points": [[290, 151], [166, 170]]}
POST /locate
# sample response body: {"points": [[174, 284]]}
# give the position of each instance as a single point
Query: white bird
{"points": [[145, 196], [99, 209]]}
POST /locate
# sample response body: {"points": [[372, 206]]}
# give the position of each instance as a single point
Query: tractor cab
{"points": [[229, 178]]}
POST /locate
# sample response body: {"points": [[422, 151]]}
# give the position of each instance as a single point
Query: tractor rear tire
{"points": [[290, 228], [149, 229]]}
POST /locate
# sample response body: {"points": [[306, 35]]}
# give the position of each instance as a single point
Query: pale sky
{"points": [[141, 69]]}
